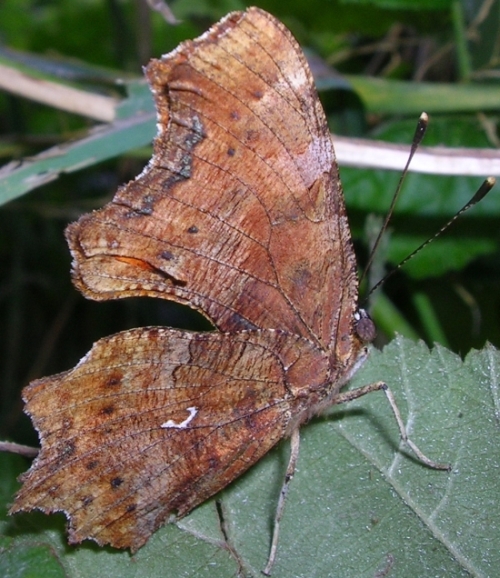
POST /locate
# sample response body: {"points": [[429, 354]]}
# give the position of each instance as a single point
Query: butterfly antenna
{"points": [[420, 131], [483, 190]]}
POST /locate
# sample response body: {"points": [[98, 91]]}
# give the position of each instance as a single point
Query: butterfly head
{"points": [[364, 327]]}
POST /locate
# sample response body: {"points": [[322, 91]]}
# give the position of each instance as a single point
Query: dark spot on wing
{"points": [[116, 482]]}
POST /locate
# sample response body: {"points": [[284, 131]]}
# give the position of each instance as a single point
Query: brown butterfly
{"points": [[240, 215]]}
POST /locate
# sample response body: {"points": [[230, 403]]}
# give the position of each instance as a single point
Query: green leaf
{"points": [[29, 561], [400, 97], [359, 503], [133, 128], [406, 4]]}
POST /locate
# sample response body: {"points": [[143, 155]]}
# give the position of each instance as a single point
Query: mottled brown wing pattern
{"points": [[154, 421], [239, 213]]}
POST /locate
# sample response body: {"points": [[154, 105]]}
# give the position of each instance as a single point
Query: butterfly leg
{"points": [[290, 471], [380, 385]]}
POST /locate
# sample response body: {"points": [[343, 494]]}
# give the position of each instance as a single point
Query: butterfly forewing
{"points": [[239, 213]]}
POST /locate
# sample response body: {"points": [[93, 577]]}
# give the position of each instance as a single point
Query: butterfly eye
{"points": [[364, 327]]}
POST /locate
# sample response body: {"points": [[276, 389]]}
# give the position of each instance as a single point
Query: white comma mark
{"points": [[183, 425]]}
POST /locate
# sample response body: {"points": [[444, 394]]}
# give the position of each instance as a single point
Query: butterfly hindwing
{"points": [[154, 421]]}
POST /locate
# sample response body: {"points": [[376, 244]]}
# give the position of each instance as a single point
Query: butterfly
{"points": [[240, 215]]}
